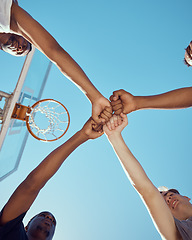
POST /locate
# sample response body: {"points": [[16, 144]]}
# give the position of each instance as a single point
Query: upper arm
{"points": [[25, 25], [19, 202], [160, 213]]}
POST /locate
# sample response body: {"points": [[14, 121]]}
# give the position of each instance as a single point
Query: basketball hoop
{"points": [[47, 120]]}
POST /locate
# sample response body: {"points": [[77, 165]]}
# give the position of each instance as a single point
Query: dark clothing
{"points": [[185, 228], [13, 230]]}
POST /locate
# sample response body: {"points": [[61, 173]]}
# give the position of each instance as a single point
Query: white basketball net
{"points": [[51, 114]]}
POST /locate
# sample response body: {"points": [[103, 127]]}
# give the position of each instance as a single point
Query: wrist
{"points": [[82, 136], [114, 136], [94, 96], [140, 102]]}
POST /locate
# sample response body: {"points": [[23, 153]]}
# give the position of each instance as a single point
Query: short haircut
{"points": [[173, 190], [188, 54], [186, 63], [24, 53], [165, 189]]}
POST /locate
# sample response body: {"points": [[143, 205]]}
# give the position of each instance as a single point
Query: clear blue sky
{"points": [[135, 45]]}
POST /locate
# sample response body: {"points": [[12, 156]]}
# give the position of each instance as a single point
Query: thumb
{"points": [[114, 97], [117, 94], [124, 117]]}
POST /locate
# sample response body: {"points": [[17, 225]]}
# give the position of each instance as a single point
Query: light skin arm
{"points": [[23, 24], [125, 102], [27, 191], [158, 209]]}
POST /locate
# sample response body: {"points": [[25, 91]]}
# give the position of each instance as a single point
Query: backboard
{"points": [[29, 89]]}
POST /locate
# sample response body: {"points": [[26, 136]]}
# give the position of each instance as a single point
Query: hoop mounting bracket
{"points": [[20, 111]]}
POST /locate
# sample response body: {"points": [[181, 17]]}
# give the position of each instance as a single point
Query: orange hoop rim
{"points": [[31, 132]]}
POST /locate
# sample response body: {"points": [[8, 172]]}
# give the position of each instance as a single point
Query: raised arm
{"points": [[155, 203], [23, 24], [25, 194], [126, 102]]}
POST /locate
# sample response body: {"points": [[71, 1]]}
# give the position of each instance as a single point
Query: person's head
{"points": [[41, 226], [188, 55], [179, 205], [14, 44]]}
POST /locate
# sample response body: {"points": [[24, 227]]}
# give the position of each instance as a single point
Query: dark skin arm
{"points": [[27, 191], [125, 102]]}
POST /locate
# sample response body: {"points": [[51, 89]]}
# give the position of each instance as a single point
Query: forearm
{"points": [[74, 72], [49, 166], [153, 200], [179, 98], [45, 42], [131, 166], [26, 193]]}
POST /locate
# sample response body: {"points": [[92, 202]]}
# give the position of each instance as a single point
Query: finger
{"points": [[117, 94], [108, 124], [97, 119], [111, 98], [98, 128], [115, 120], [97, 134], [114, 103], [109, 109], [119, 120], [107, 115], [124, 117], [124, 111], [93, 123], [118, 106], [115, 97], [112, 123], [119, 111], [100, 133], [104, 117]]}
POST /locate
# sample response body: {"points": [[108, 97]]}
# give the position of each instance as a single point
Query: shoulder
{"points": [[13, 229]]}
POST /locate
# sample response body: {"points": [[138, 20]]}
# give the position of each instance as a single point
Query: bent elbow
{"points": [[34, 182]]}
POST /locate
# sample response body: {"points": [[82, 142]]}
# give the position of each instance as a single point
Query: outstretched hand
{"points": [[116, 124], [122, 102]]}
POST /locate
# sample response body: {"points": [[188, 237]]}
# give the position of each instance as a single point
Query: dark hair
{"points": [[6, 45], [171, 190], [186, 63], [187, 50]]}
